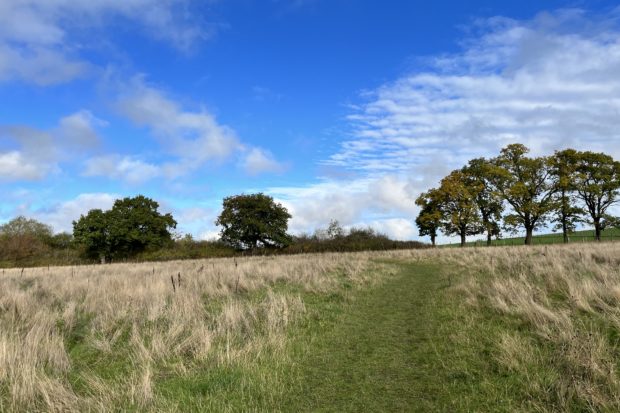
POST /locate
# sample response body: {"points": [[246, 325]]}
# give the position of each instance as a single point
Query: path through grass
{"points": [[398, 347]]}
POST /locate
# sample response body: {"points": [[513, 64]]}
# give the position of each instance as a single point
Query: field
{"points": [[584, 236], [476, 329]]}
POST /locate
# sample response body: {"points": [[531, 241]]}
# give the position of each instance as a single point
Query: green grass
{"points": [[610, 234], [407, 344]]}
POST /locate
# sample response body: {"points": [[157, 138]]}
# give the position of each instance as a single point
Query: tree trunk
{"points": [[528, 235], [463, 239], [564, 230], [433, 239], [597, 229], [489, 237]]}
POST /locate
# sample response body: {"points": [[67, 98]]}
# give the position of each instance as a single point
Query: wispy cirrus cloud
{"points": [[189, 138], [40, 39], [549, 83]]}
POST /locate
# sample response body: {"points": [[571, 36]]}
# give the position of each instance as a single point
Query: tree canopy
{"points": [[252, 221], [22, 226], [131, 226], [559, 189], [461, 215], [477, 177], [597, 182], [524, 183], [23, 237], [430, 217], [563, 167]]}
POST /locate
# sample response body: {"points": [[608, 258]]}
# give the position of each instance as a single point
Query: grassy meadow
{"points": [[583, 236], [476, 329]]}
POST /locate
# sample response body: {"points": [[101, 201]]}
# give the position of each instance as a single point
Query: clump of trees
{"points": [[23, 240], [516, 192], [132, 226], [335, 238]]}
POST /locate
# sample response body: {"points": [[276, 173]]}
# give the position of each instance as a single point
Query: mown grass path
{"points": [[380, 355]]}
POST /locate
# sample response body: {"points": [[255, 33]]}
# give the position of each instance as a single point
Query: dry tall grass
{"points": [[561, 311], [158, 319]]}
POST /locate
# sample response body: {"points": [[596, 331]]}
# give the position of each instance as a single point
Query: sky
{"points": [[339, 109]]}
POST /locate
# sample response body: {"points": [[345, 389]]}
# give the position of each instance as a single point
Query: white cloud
{"points": [[60, 216], [13, 167], [397, 228], [78, 129], [257, 161], [549, 83], [196, 137], [39, 38], [133, 171], [209, 235], [33, 154], [39, 65], [193, 138], [199, 221], [350, 202]]}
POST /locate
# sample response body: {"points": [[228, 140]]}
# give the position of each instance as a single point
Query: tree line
{"points": [[514, 191], [135, 229]]}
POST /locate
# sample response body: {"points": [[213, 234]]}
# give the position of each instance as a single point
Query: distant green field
{"points": [[611, 234]]}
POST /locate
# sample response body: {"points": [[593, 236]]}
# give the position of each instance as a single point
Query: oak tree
{"points": [[525, 184], [429, 219], [566, 214], [478, 176], [597, 183], [252, 221], [460, 212]]}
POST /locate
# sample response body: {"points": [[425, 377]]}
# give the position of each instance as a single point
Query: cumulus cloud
{"points": [[31, 154], [397, 228], [38, 38], [257, 161], [13, 167], [78, 129], [198, 220], [133, 171], [61, 215], [193, 138], [350, 202]]}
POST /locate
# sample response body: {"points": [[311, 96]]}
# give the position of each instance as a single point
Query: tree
{"points": [[597, 183], [22, 226], [135, 225], [478, 176], [460, 212], [92, 232], [524, 183], [131, 226], [22, 237], [429, 218], [563, 166], [250, 221], [334, 230]]}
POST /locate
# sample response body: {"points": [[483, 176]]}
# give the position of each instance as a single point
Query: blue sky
{"points": [[339, 109]]}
